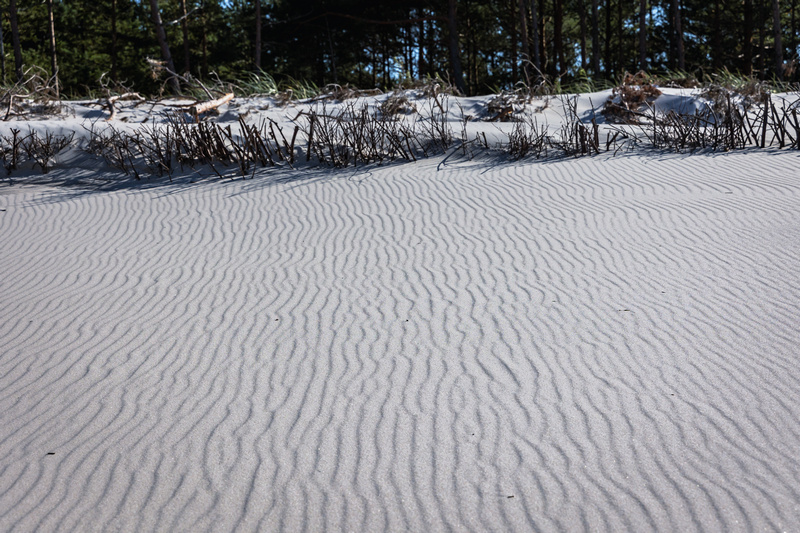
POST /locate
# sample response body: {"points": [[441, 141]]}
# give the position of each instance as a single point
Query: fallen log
{"points": [[204, 107]]}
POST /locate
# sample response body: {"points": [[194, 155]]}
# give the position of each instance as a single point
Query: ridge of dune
{"points": [[605, 343]]}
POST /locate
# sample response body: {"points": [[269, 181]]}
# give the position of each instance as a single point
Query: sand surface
{"points": [[606, 344]]}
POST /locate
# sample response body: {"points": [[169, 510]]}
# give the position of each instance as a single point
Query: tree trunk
{"points": [[385, 56], [470, 48], [430, 46], [537, 56], [113, 50], [558, 38], [52, 32], [793, 32], [257, 58], [607, 48], [204, 43], [162, 42], [543, 51], [595, 38], [374, 59], [747, 52], [716, 38], [185, 29], [421, 43], [523, 31], [582, 24], [621, 46], [677, 34], [776, 28], [513, 11], [2, 51], [455, 58], [760, 56], [642, 35], [12, 15], [333, 52], [408, 47]]}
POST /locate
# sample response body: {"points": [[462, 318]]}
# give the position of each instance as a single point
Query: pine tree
{"points": [[776, 29], [595, 38], [455, 57], [185, 30], [12, 15], [166, 56], [678, 33], [257, 44], [52, 34], [642, 35]]}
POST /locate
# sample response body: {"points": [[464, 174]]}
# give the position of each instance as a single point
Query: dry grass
{"points": [[527, 138], [340, 93], [630, 100], [504, 106], [397, 104], [429, 87]]}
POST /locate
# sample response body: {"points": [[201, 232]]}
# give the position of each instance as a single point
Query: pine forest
{"points": [[477, 46]]}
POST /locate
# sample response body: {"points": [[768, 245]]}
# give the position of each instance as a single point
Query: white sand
{"points": [[590, 344]]}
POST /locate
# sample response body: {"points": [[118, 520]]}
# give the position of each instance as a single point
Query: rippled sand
{"points": [[606, 344]]}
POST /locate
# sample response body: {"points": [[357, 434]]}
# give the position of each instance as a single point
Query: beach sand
{"points": [[604, 343]]}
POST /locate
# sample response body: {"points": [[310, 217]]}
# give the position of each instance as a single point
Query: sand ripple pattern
{"points": [[602, 344]]}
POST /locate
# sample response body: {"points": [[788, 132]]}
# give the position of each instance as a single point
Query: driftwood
{"points": [[11, 97], [204, 107], [114, 99], [33, 87]]}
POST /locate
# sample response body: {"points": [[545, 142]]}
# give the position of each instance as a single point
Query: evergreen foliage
{"points": [[380, 43]]}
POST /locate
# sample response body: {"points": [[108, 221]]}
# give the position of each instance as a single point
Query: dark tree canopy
{"points": [[479, 45]]}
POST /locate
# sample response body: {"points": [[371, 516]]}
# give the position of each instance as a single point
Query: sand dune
{"points": [[591, 344]]}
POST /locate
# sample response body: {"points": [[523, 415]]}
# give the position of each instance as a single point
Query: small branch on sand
{"points": [[110, 101], [11, 97]]}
